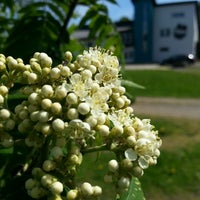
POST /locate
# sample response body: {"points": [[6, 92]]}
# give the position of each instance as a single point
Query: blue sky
{"points": [[125, 8]]}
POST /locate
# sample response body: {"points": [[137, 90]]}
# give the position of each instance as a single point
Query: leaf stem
{"points": [[95, 149]]}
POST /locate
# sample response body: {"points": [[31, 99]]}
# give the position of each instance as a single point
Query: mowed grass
{"points": [[183, 83], [177, 173]]}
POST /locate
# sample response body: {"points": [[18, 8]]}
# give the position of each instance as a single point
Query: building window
{"points": [[164, 49], [165, 32]]}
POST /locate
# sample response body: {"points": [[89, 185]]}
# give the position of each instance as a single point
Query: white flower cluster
{"points": [[67, 108]]}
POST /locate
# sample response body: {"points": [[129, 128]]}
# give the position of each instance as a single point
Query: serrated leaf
{"points": [[134, 192]]}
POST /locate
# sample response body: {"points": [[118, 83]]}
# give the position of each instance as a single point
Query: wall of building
{"points": [[143, 30], [175, 30]]}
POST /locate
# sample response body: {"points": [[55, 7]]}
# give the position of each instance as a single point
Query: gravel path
{"points": [[170, 107]]}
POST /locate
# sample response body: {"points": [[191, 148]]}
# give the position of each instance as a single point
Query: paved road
{"points": [[170, 107]]}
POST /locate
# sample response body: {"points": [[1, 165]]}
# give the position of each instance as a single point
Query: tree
{"points": [[31, 26]]}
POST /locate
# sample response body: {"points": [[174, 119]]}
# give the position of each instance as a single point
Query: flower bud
{"points": [[46, 104], [10, 124], [47, 91], [55, 73], [72, 194], [3, 90], [7, 142], [91, 121], [56, 152], [74, 159], [56, 187], [46, 129], [58, 125], [65, 71], [72, 113], [1, 99], [117, 130], [48, 165], [43, 116], [56, 108], [72, 98], [30, 183], [34, 98], [45, 60], [129, 130], [124, 182], [103, 130], [34, 116], [101, 118], [60, 92], [36, 67], [2, 66], [11, 62], [138, 171], [86, 74], [83, 108], [126, 164], [97, 191], [32, 78], [87, 189], [37, 193], [131, 140], [92, 68], [46, 71], [120, 102], [47, 180], [68, 56], [37, 172], [113, 165], [23, 114], [4, 114]]}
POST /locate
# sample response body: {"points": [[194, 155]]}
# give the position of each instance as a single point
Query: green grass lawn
{"points": [[183, 83]]}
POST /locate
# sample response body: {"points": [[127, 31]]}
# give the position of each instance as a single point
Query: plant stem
{"points": [[72, 7], [95, 149]]}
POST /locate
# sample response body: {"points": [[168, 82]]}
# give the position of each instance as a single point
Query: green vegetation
{"points": [[165, 83]]}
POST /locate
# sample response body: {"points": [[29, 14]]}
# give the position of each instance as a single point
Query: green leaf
{"points": [[132, 84], [134, 192]]}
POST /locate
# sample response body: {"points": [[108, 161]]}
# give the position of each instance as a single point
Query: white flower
{"points": [[143, 161], [145, 146], [78, 128], [98, 101], [79, 86], [107, 75], [120, 117], [130, 154]]}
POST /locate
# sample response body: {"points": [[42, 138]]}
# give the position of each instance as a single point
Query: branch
{"points": [[72, 7]]}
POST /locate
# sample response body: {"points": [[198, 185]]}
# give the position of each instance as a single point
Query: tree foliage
{"points": [[37, 25]]}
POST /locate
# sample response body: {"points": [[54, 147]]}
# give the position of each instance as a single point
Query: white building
{"points": [[164, 30], [175, 30]]}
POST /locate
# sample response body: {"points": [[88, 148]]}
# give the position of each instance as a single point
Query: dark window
{"points": [[165, 32]]}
